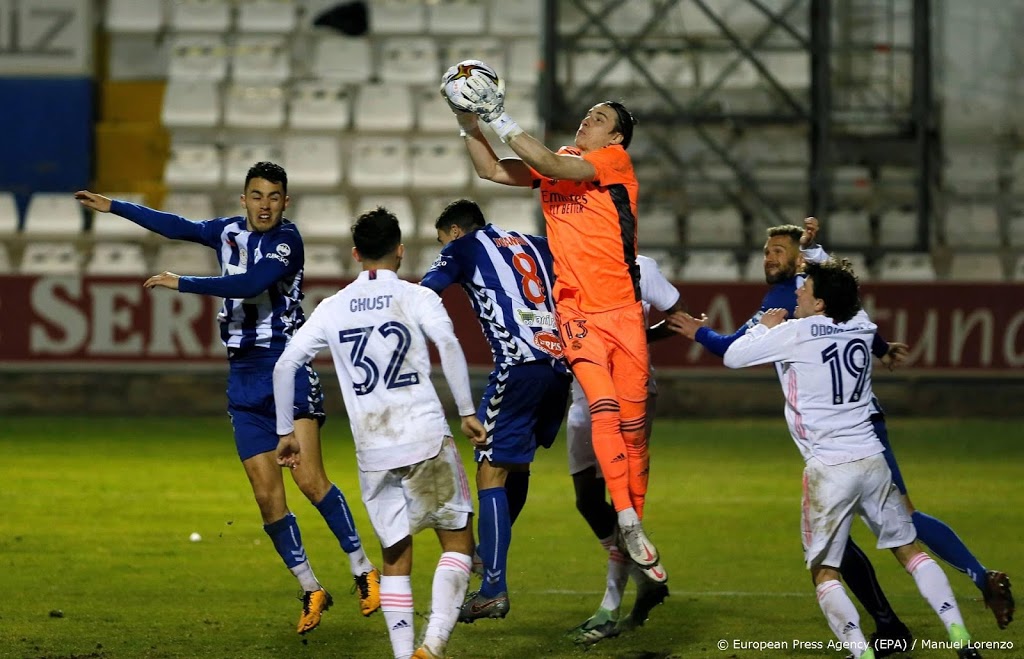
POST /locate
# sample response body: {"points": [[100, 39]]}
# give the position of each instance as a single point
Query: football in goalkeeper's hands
{"points": [[454, 81]]}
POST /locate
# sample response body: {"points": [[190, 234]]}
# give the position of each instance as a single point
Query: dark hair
{"points": [[464, 213], [791, 230], [269, 171], [376, 233], [835, 284], [624, 121]]}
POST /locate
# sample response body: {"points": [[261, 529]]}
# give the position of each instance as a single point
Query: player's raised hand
{"points": [[164, 279], [897, 355], [487, 96], [93, 201], [474, 430], [810, 234], [773, 317], [683, 323], [288, 450]]}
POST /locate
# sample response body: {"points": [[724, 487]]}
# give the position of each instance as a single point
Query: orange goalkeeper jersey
{"points": [[591, 228]]}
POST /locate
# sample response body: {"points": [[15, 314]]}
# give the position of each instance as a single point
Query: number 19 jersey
{"points": [[377, 329]]}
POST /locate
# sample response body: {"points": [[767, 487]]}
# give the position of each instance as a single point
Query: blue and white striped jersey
{"points": [[261, 276], [507, 276]]}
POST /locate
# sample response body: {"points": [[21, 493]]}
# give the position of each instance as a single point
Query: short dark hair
{"points": [[269, 171], [624, 121], [835, 284], [791, 230], [376, 233], [464, 213]]}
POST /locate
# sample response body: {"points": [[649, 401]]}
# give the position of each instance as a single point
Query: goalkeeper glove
{"points": [[488, 100]]}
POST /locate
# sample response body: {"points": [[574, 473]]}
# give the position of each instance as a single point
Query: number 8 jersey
{"points": [[377, 329], [825, 370]]}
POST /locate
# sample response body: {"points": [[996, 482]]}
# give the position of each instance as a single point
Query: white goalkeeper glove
{"points": [[488, 100]]}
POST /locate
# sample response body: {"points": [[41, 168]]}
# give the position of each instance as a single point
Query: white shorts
{"points": [[578, 435], [832, 494], [429, 494]]}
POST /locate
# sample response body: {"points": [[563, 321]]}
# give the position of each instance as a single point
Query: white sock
{"points": [[935, 588], [451, 579], [627, 517], [396, 603], [842, 615], [359, 563], [618, 575], [304, 573]]}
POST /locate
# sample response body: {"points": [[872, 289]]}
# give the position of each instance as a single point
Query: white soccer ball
{"points": [[454, 80], [195, 537]]}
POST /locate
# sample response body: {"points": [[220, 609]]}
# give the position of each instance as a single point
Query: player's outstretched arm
{"points": [[767, 342], [506, 171], [163, 280], [167, 225], [896, 355], [93, 201]]}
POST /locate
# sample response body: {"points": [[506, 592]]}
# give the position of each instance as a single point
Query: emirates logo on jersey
{"points": [[549, 343]]}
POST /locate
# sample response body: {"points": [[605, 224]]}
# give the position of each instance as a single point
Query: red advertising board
{"points": [[86, 322]]}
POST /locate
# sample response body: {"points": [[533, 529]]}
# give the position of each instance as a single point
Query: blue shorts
{"points": [[251, 405], [522, 408], [878, 421]]}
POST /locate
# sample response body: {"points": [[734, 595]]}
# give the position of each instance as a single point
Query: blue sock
{"points": [[495, 530], [945, 543], [336, 512], [284, 533]]}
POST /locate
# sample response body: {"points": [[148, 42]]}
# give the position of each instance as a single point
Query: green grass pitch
{"points": [[96, 516]]}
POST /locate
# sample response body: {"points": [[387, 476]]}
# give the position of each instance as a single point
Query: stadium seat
{"points": [[185, 258], [485, 49], [312, 161], [976, 267], [107, 226], [397, 17], [521, 103], [973, 225], [432, 113], [667, 263], [5, 260], [971, 168], [439, 162], [710, 265], [322, 105], [321, 216], [515, 19], [379, 162], [519, 213], [848, 228], [425, 257], [897, 229], [267, 16], [457, 17], [753, 269], [323, 261], [658, 225], [240, 157], [193, 165], [1014, 230], [53, 215], [116, 259], [191, 104], [408, 59], [47, 258], [261, 60], [1018, 269], [857, 262], [430, 207], [400, 205], [523, 58], [906, 266], [134, 16], [198, 57], [714, 226], [200, 16], [10, 223], [342, 59], [251, 106], [384, 107], [192, 205]]}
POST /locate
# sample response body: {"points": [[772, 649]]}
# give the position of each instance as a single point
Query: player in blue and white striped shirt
{"points": [[507, 276], [261, 256]]}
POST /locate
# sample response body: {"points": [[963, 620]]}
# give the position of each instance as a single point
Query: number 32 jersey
{"points": [[377, 329], [825, 370]]}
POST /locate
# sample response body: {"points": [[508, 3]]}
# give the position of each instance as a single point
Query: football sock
{"points": [[284, 533], [841, 615], [617, 577], [935, 588], [396, 603], [336, 513], [610, 450], [495, 534], [592, 504], [517, 486], [859, 575], [638, 460], [945, 543], [451, 579]]}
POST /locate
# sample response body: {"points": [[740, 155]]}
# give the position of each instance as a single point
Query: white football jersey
{"points": [[825, 370], [377, 329]]}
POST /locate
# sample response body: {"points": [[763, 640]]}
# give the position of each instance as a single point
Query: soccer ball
{"points": [[454, 80]]}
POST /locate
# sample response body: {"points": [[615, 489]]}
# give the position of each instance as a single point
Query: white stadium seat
{"points": [[10, 223], [521, 103], [897, 229], [198, 57], [134, 16], [753, 269], [908, 266], [254, 106], [524, 60], [343, 59], [517, 213], [267, 16], [973, 225], [384, 107], [430, 207], [432, 113], [50, 259], [186, 258], [261, 60], [107, 226], [321, 216], [323, 261], [321, 105], [658, 225], [400, 205], [53, 214], [190, 205], [312, 161], [116, 259], [379, 162], [398, 17], [710, 265], [848, 228], [457, 17], [714, 226], [200, 16], [511, 19], [191, 104], [976, 267], [408, 59], [193, 165], [439, 162], [488, 50], [240, 157]]}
